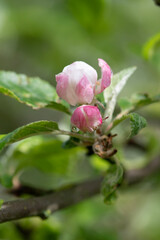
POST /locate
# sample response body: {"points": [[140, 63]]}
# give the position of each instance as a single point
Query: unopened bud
{"points": [[77, 83], [87, 118]]}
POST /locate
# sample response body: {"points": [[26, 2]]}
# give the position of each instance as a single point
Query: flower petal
{"points": [[62, 84], [105, 80], [79, 83], [84, 91]]}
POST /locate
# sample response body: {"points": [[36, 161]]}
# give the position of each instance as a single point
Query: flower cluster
{"points": [[78, 84]]}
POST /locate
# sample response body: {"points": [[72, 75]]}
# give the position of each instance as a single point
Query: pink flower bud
{"points": [[87, 118], [77, 83]]}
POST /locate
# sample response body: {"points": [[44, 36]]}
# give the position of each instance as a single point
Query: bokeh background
{"points": [[39, 38]]}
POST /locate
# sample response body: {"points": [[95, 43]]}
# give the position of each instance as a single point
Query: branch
{"points": [[44, 205], [40, 206]]}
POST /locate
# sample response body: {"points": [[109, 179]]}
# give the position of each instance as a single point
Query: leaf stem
{"points": [[120, 118]]}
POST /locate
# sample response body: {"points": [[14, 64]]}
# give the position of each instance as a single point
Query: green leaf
{"points": [[38, 128], [32, 91], [112, 179], [42, 162], [137, 101], [150, 45], [111, 93], [45, 154], [35, 128], [137, 122], [140, 100], [118, 81], [59, 107]]}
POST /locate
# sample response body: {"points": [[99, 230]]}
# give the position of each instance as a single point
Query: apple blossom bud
{"points": [[77, 83], [87, 118]]}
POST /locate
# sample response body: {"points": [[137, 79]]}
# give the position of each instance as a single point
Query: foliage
{"points": [[119, 80], [112, 179], [137, 122], [42, 163], [29, 130], [31, 91]]}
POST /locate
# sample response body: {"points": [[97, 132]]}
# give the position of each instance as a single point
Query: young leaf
{"points": [[137, 101], [137, 122], [112, 179], [141, 100], [111, 93], [32, 91]]}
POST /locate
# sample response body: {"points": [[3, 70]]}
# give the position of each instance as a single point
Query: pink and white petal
{"points": [[78, 119], [105, 80], [62, 84], [93, 115], [84, 91], [76, 70], [64, 90], [90, 110]]}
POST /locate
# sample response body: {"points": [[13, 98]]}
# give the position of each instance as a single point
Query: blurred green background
{"points": [[39, 38]]}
